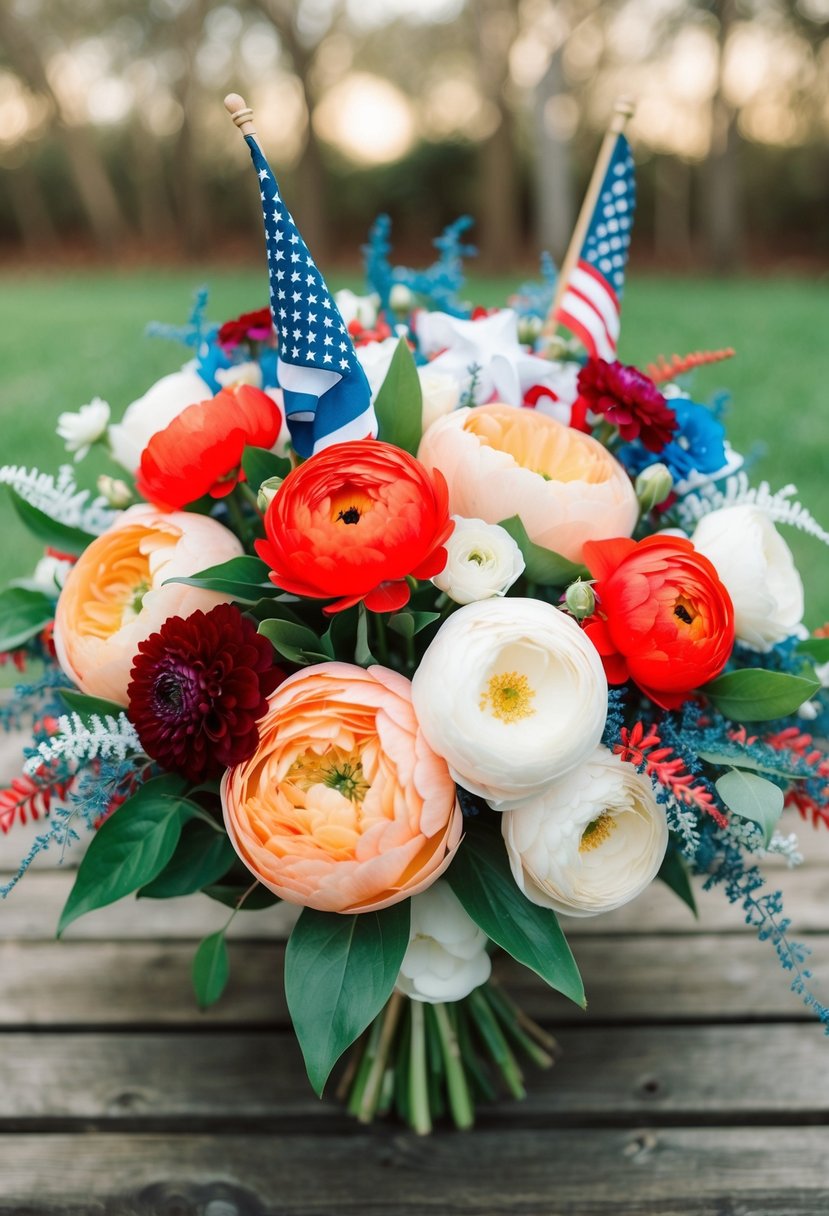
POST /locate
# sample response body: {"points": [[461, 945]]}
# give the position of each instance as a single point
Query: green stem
{"points": [[381, 638], [473, 1064], [419, 1116], [434, 1056], [507, 1019], [358, 1089], [247, 491], [401, 1066], [541, 1036], [460, 1102], [388, 1025], [495, 1043]]}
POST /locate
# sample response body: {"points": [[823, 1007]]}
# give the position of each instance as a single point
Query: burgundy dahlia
{"points": [[629, 400], [198, 687]]}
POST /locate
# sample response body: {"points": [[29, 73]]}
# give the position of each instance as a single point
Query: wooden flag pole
{"points": [[241, 113], [622, 111]]}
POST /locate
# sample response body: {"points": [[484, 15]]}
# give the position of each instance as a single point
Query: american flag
{"points": [[327, 396], [591, 303]]}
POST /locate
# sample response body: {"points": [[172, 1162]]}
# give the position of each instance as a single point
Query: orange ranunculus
{"points": [[113, 597], [200, 451], [343, 807], [664, 618], [500, 461], [353, 521]]}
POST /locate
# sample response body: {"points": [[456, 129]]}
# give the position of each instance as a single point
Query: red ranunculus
{"points": [[250, 327], [664, 619], [201, 449], [353, 521]]}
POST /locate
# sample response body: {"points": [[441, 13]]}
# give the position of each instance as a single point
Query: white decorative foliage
{"points": [[780, 506], [79, 742], [59, 497]]}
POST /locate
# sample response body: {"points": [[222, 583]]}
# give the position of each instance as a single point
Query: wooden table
{"points": [[696, 1084]]}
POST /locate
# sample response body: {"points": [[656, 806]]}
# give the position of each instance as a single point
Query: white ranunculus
{"points": [[512, 694], [482, 561], [357, 308], [446, 958], [161, 403], [592, 841], [441, 394], [240, 373], [81, 429], [758, 570], [50, 574]]}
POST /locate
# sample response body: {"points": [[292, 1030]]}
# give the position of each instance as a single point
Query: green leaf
{"points": [[340, 638], [542, 565], [745, 760], [54, 534], [362, 650], [211, 969], [481, 878], [87, 707], [297, 643], [753, 798], [259, 464], [675, 874], [243, 578], [203, 855], [816, 648], [130, 849], [399, 403], [339, 973], [230, 895], [407, 624], [23, 613], [755, 695]]}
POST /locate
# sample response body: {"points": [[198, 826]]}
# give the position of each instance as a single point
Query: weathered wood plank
{"points": [[605, 1076], [673, 1172], [646, 979]]}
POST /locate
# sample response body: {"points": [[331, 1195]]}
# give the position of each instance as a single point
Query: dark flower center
{"points": [[173, 692], [684, 615], [351, 516]]}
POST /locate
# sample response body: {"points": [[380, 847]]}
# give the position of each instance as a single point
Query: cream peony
{"points": [[592, 841], [115, 595], [758, 570], [447, 956], [499, 461], [512, 694], [161, 403], [80, 430], [482, 560]]}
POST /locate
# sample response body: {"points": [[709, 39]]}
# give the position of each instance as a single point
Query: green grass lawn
{"points": [[69, 337]]}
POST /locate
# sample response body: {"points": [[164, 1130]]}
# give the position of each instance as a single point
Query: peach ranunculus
{"points": [[343, 807], [501, 461], [113, 597]]}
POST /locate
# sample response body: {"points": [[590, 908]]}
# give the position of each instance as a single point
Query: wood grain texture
{"points": [[556, 1172]]}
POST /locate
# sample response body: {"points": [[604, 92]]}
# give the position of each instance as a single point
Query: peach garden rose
{"points": [[500, 461], [343, 807], [114, 597]]}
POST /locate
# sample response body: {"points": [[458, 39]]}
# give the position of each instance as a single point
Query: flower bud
{"points": [[580, 599], [267, 492], [400, 298], [529, 328], [653, 485], [116, 492]]}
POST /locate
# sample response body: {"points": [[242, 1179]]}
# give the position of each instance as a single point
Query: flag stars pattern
{"points": [[608, 238]]}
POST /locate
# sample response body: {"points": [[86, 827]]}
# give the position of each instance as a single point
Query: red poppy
{"points": [[664, 618], [200, 451], [249, 327], [354, 521]]}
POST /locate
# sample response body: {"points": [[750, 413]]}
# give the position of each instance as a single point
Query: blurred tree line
{"points": [[113, 140]]}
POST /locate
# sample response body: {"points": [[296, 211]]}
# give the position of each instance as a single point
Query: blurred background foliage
{"points": [[114, 143]]}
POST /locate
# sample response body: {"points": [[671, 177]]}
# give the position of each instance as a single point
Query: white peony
{"points": [[592, 841], [357, 308], [446, 958], [50, 574], [758, 570], [441, 394], [512, 694], [161, 403], [482, 561], [81, 429]]}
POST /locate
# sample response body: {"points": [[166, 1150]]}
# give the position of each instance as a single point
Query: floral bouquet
{"points": [[431, 622]]}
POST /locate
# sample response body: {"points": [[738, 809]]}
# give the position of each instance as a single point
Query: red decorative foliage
{"points": [[803, 745], [668, 369], [642, 746], [28, 798]]}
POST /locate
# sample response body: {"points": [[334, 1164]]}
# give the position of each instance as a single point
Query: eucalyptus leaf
{"points": [[542, 566], [294, 642], [23, 613], [399, 403], [244, 579], [130, 849], [756, 695], [745, 760], [203, 855], [752, 797], [211, 969], [259, 464], [339, 973], [56, 535], [481, 878]]}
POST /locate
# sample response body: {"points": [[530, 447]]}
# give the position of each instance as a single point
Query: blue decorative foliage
{"points": [[697, 446], [533, 298], [437, 285], [616, 704]]}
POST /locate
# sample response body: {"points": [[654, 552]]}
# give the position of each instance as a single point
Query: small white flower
{"points": [[446, 958], [401, 298], [357, 308], [482, 561], [161, 403], [512, 695], [115, 491], [592, 841], [50, 574], [240, 373], [758, 570], [441, 394], [80, 430]]}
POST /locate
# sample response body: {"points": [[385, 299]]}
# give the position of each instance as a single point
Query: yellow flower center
{"points": [[349, 506], [508, 697], [339, 770], [597, 832]]}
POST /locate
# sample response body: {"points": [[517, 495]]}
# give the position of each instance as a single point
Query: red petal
{"points": [[388, 597], [602, 557]]}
